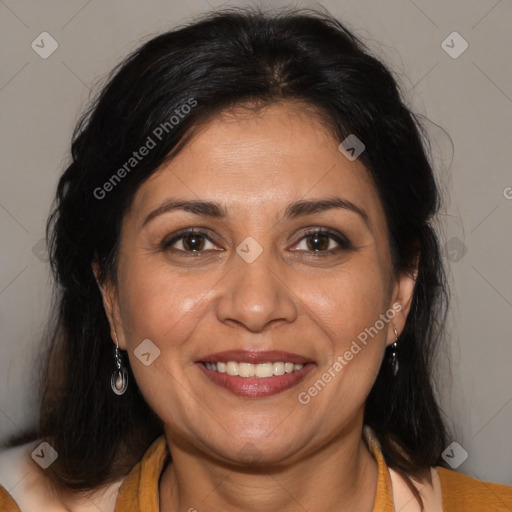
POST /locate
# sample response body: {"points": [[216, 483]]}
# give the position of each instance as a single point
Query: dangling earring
{"points": [[394, 356], [119, 378]]}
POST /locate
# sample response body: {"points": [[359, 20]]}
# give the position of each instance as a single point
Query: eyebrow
{"points": [[293, 210]]}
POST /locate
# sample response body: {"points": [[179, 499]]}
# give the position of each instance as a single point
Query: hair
{"points": [[231, 58]]}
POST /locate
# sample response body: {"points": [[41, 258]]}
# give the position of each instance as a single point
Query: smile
{"points": [[259, 371]]}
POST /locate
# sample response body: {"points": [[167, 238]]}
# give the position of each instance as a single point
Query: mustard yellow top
{"points": [[460, 493]]}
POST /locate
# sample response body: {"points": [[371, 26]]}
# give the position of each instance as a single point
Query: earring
{"points": [[119, 378], [394, 357]]}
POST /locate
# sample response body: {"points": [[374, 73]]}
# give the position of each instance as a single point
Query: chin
{"points": [[254, 453]]}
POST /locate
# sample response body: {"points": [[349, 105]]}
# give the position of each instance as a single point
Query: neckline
{"points": [[384, 495], [140, 488]]}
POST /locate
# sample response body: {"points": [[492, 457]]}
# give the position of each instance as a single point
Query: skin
{"points": [[255, 164]]}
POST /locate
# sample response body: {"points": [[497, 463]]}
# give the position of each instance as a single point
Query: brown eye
{"points": [[193, 242], [318, 242], [190, 241], [323, 242]]}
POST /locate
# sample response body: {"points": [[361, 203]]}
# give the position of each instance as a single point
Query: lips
{"points": [[253, 387]]}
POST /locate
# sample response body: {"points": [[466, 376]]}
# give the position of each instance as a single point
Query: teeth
{"points": [[261, 370], [246, 370], [231, 368], [278, 369], [264, 370]]}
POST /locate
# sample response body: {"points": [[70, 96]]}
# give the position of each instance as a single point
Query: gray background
{"points": [[469, 96]]}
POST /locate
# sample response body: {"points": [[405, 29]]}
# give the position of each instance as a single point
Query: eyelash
{"points": [[344, 243]]}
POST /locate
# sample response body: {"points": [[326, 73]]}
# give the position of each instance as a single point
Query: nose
{"points": [[256, 295]]}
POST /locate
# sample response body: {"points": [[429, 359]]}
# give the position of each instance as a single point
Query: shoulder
{"points": [[465, 494], [24, 487], [12, 473], [7, 504]]}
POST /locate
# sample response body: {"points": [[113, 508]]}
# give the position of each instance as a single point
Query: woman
{"points": [[250, 290]]}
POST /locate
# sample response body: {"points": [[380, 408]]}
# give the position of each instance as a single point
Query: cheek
{"points": [[160, 306], [158, 303], [348, 308], [167, 308], [347, 300]]}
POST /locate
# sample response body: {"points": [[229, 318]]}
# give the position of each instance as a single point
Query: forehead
{"points": [[266, 158]]}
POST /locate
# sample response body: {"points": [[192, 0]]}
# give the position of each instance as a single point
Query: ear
{"points": [[401, 300], [111, 304]]}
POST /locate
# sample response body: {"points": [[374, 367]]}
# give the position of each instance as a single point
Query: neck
{"points": [[341, 477]]}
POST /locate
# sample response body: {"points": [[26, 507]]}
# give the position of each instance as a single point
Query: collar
{"points": [[140, 488]]}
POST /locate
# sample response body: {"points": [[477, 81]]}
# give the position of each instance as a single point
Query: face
{"points": [[269, 266]]}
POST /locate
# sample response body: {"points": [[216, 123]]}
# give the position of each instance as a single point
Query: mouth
{"points": [[255, 374]]}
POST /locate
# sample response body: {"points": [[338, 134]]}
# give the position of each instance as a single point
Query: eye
{"points": [[190, 241], [322, 242]]}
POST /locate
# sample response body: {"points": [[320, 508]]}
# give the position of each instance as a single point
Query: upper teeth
{"points": [[260, 370]]}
